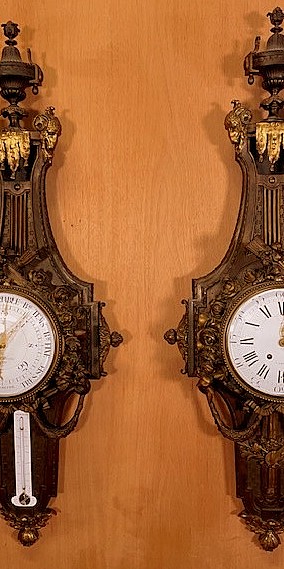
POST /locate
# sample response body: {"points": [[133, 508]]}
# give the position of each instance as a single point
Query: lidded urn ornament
{"points": [[54, 338], [231, 336]]}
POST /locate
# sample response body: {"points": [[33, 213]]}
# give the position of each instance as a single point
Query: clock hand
{"points": [[2, 358], [14, 329], [3, 339], [281, 332], [5, 336]]}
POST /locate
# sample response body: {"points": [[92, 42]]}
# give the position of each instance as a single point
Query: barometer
{"points": [[54, 338]]}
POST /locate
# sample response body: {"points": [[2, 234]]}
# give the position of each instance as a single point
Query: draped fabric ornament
{"points": [[270, 138], [14, 145]]}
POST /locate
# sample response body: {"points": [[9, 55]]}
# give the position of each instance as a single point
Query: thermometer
{"points": [[23, 465]]}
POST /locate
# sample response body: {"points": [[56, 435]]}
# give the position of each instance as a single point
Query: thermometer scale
{"points": [[23, 470]]}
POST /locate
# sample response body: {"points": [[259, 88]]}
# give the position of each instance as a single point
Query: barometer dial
{"points": [[28, 344]]}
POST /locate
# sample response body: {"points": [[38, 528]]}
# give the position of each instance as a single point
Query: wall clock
{"points": [[54, 338], [231, 336]]}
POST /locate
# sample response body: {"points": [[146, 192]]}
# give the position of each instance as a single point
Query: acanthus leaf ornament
{"points": [[54, 339], [233, 341]]}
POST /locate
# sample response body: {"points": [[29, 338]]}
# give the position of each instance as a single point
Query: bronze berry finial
{"points": [[11, 30], [276, 19]]}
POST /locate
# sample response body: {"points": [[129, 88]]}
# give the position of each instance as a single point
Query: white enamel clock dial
{"points": [[254, 342], [27, 344]]}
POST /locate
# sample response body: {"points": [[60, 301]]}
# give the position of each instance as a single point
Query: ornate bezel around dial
{"points": [[242, 300], [36, 303]]}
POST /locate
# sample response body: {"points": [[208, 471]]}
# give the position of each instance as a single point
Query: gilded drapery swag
{"points": [[270, 138]]}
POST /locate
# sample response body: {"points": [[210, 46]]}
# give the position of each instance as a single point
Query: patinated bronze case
{"points": [[254, 261], [31, 264]]}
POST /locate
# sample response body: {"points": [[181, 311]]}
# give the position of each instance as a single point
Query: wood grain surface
{"points": [[143, 196]]}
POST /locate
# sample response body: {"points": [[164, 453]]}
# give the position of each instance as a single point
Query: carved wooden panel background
{"points": [[143, 196]]}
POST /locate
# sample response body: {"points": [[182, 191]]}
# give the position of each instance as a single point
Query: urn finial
{"points": [[16, 75]]}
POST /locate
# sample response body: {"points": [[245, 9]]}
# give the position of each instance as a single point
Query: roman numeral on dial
{"points": [[247, 341], [280, 376], [281, 307], [263, 371], [251, 358], [265, 310]]}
